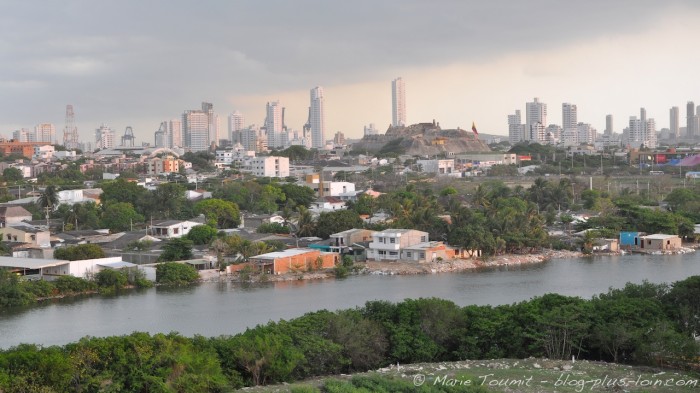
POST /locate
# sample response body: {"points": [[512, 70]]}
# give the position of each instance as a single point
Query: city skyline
{"points": [[479, 66]]}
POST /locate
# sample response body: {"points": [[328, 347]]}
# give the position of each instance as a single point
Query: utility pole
{"points": [[48, 208]]}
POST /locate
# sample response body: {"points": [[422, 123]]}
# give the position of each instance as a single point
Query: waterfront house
{"points": [[342, 241], [427, 252], [660, 242], [294, 260], [388, 245]]}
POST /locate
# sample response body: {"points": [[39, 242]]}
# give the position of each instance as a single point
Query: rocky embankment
{"points": [[458, 265]]}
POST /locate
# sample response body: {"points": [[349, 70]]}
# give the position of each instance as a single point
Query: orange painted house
{"points": [[294, 260]]}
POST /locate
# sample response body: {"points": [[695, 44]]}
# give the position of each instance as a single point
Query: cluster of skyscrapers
{"points": [[641, 131], [199, 130]]}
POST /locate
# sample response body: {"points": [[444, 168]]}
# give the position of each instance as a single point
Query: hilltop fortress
{"points": [[422, 139]]}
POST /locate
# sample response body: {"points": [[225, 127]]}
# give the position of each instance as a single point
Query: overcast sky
{"points": [[141, 62]]}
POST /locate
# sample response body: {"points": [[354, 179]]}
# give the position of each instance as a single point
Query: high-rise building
{"points": [[608, 125], [273, 124], [690, 118], [641, 135], [398, 103], [104, 137], [586, 133], [569, 116], [236, 122], [317, 118], [24, 135], [249, 138], [339, 139], [535, 120], [45, 132], [674, 114], [195, 127], [515, 128], [175, 133]]}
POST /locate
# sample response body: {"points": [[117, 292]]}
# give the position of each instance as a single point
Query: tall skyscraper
{"points": [[569, 116], [690, 118], [608, 125], [273, 124], [642, 135], [674, 114], [535, 120], [398, 103], [515, 128], [45, 132], [175, 133], [236, 122], [317, 118], [195, 127]]}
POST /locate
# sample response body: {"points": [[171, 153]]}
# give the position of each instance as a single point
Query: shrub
{"points": [[176, 273]]}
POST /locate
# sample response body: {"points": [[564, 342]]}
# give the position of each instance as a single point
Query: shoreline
{"points": [[405, 268]]}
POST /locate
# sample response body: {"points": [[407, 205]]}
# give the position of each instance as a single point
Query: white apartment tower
{"points": [[690, 118], [641, 134], [398, 103], [317, 118], [195, 127], [104, 137], [569, 116], [535, 120], [236, 122], [45, 132], [515, 128], [674, 114], [273, 124]]}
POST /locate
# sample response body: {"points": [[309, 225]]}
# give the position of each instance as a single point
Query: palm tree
{"points": [[48, 200], [305, 222]]}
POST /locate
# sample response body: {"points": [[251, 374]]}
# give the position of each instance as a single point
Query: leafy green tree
{"points": [[221, 213], [272, 227], [11, 293], [120, 216], [121, 190], [177, 250], [306, 226], [79, 252], [266, 356], [176, 273], [269, 199], [299, 195], [111, 278], [166, 201], [12, 174], [337, 221], [201, 234]]}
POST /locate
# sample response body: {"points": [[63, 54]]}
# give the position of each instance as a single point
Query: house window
{"points": [[409, 254], [33, 237], [9, 237], [422, 255], [176, 231], [423, 239], [392, 240], [393, 253], [382, 253]]}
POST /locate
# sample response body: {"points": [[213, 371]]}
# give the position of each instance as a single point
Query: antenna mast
{"points": [[70, 133]]}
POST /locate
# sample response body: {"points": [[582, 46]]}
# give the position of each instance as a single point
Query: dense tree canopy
{"points": [[79, 252], [219, 213]]}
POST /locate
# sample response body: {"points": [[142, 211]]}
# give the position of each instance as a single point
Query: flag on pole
{"points": [[474, 129]]}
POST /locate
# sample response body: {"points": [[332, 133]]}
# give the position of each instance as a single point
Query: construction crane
{"points": [[128, 138]]}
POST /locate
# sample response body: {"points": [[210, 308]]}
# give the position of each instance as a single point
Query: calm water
{"points": [[214, 309]]}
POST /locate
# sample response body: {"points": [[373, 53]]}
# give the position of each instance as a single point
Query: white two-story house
{"points": [[388, 245]]}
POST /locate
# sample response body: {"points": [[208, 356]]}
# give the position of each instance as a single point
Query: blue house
{"points": [[629, 239]]}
